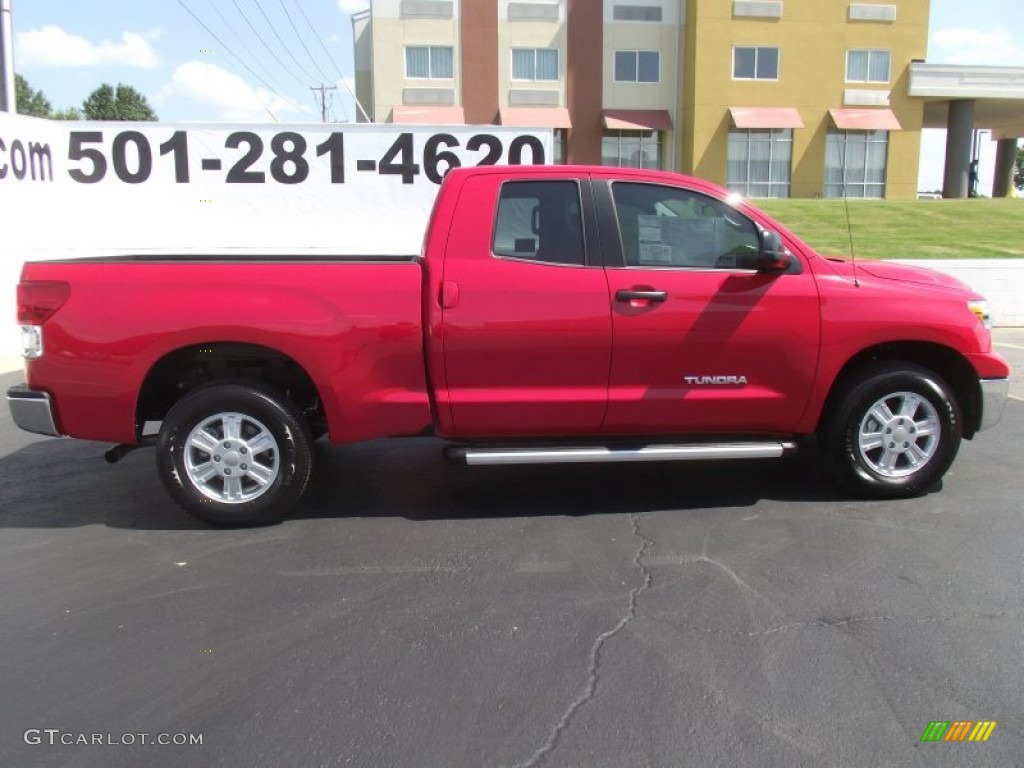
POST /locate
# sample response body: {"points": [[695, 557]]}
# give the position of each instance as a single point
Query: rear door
{"points": [[526, 323], [701, 345]]}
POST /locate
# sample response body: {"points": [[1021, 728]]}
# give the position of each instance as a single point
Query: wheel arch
{"points": [[953, 367], [182, 370]]}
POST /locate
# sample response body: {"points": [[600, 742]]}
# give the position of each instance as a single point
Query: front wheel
{"points": [[895, 431], [234, 454]]}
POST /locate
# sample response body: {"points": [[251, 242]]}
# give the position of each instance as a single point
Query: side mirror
{"points": [[773, 257]]}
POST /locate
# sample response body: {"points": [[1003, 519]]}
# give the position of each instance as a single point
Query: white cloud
{"points": [[353, 6], [51, 46], [222, 95], [975, 47]]}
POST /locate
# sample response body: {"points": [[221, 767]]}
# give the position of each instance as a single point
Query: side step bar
{"points": [[607, 454]]}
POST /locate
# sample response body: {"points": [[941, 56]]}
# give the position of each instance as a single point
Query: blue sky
{"points": [[68, 47]]}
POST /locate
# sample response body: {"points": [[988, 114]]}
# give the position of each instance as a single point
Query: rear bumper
{"points": [[32, 410], [993, 400]]}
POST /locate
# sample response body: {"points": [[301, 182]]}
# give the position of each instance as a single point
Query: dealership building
{"points": [[772, 98]]}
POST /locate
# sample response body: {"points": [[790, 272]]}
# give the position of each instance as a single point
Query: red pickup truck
{"points": [[556, 314]]}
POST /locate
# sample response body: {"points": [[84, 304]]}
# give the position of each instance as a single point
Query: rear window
{"points": [[539, 221]]}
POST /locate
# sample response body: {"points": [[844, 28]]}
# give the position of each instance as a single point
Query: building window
{"points": [[637, 66], [631, 149], [760, 161], [855, 163], [755, 63], [535, 64], [636, 12], [429, 62], [868, 66], [558, 147]]}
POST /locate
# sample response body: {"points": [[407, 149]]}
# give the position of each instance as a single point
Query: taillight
{"points": [[39, 299]]}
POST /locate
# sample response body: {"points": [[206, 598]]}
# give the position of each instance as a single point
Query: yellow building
{"points": [[803, 98]]}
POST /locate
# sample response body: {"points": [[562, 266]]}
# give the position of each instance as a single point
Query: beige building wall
{"points": [[813, 37], [531, 34], [663, 37], [391, 33]]}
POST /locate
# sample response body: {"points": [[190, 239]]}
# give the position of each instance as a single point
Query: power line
{"points": [[269, 49], [303, 42], [319, 40], [341, 75], [230, 52], [238, 37], [282, 42]]}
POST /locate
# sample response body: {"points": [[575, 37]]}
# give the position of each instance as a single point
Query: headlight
{"points": [[980, 310]]}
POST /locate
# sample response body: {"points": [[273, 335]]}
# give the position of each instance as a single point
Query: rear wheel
{"points": [[234, 454], [895, 431]]}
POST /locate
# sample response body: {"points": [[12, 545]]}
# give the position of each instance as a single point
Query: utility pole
{"points": [[323, 89], [8, 102]]}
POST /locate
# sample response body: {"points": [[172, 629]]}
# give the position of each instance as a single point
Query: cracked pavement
{"points": [[594, 667], [416, 614]]}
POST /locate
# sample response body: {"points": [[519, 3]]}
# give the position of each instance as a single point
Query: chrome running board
{"points": [[607, 454]]}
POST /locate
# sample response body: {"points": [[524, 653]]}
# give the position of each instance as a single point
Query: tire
{"points": [[235, 455], [895, 431]]}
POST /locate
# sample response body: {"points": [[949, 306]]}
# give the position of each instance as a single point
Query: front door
{"points": [[702, 345]]}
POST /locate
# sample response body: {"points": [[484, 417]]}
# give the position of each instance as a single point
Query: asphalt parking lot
{"points": [[416, 614]]}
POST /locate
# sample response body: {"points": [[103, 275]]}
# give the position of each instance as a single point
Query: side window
{"points": [[672, 227], [539, 221]]}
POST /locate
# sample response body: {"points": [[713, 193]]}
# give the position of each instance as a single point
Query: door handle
{"points": [[624, 294], [449, 294]]}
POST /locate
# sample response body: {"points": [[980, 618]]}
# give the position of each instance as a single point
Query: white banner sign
{"points": [[75, 189], [81, 188]]}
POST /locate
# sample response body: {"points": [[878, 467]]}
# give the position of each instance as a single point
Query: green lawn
{"points": [[919, 229]]}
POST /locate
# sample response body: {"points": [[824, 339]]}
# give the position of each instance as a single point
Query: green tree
{"points": [[67, 114], [122, 103], [29, 100], [1018, 172]]}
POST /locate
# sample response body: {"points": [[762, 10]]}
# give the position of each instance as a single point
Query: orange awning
{"points": [[865, 119], [766, 117], [429, 115], [638, 119], [535, 117]]}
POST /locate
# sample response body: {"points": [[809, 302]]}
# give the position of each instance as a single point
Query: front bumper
{"points": [[32, 410], [993, 399]]}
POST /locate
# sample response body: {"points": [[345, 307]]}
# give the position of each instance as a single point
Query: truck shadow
{"points": [[64, 483], [411, 479]]}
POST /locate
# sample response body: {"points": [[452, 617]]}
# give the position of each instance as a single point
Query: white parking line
{"points": [[1009, 346]]}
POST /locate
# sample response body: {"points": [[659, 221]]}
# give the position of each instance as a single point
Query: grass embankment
{"points": [[914, 229]]}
